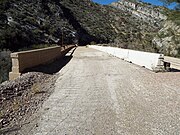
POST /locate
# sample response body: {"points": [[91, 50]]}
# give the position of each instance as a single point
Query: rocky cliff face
{"points": [[168, 39], [146, 12]]}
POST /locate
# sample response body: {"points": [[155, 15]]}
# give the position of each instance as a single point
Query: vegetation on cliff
{"points": [[25, 23]]}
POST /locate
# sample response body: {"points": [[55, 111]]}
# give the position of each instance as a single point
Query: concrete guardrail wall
{"points": [[152, 61], [175, 62], [28, 59]]}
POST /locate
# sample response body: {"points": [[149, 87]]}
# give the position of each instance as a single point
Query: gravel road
{"points": [[97, 94]]}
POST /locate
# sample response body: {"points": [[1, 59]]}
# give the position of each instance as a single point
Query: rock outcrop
{"points": [[146, 12], [168, 39]]}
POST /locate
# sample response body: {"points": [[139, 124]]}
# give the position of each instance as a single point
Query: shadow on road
{"points": [[174, 70], [55, 66]]}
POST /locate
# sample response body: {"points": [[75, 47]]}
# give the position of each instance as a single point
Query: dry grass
{"points": [[37, 88], [16, 105]]}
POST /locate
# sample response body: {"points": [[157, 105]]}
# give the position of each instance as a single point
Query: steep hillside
{"points": [[166, 40], [24, 23], [129, 24]]}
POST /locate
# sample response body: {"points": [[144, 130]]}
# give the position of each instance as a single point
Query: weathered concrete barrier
{"points": [[152, 61], [28, 59], [175, 62]]}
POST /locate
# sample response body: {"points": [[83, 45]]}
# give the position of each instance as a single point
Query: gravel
{"points": [[20, 98], [11, 89]]}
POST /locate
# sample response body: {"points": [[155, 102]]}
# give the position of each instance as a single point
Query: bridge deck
{"points": [[99, 94]]}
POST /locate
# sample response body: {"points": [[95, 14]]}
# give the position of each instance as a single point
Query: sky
{"points": [[154, 2]]}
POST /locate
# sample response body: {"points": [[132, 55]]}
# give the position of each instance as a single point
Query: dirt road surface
{"points": [[97, 94]]}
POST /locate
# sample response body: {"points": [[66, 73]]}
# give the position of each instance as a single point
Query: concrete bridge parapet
{"points": [[28, 59], [152, 61]]}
